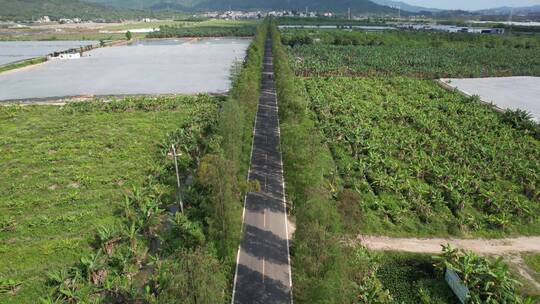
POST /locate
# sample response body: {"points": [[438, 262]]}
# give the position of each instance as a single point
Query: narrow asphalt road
{"points": [[263, 272]]}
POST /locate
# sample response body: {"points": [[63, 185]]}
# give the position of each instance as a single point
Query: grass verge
{"points": [[319, 265], [22, 64]]}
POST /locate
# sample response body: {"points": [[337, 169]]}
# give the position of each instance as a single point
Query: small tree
{"points": [[128, 35]]}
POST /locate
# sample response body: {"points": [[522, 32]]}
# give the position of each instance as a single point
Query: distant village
{"points": [[245, 15], [224, 15], [236, 15]]}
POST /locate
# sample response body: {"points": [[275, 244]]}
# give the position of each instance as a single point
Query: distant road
{"points": [[263, 272]]}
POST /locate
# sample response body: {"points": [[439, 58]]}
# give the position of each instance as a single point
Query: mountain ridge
{"points": [[56, 9], [405, 6], [202, 5], [506, 10]]}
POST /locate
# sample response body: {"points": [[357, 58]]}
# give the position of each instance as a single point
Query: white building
{"points": [[64, 56], [44, 19], [70, 56]]}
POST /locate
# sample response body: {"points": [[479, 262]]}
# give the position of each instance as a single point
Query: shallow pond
{"points": [[12, 51], [179, 66]]}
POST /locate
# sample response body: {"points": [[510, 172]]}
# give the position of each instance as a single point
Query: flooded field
{"points": [[505, 92], [180, 66], [12, 51]]}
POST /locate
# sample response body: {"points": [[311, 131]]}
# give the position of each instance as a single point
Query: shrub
{"points": [[489, 281]]}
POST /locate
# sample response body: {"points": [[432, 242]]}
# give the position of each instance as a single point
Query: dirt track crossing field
{"points": [[509, 248], [433, 245]]}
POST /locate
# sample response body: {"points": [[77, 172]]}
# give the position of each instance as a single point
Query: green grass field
{"points": [[64, 173]]}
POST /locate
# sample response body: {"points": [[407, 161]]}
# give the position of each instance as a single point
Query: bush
{"points": [[522, 120], [488, 281], [192, 277]]}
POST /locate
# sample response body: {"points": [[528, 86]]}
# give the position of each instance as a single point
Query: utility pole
{"points": [[178, 185], [510, 19], [398, 7], [349, 13], [511, 14]]}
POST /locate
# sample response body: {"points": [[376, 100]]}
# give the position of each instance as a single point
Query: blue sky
{"points": [[471, 4]]}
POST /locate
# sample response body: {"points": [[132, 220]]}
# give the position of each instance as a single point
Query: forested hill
{"points": [[33, 9], [364, 6]]}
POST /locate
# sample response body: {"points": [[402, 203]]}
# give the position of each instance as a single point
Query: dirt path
{"points": [[509, 248], [480, 246]]}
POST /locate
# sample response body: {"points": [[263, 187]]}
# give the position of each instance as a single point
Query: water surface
{"points": [[180, 66], [12, 51]]}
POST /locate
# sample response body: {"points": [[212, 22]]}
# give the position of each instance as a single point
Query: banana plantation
{"points": [[420, 55], [411, 159], [424, 161]]}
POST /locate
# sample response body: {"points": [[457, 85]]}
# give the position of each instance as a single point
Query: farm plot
{"points": [[417, 160], [410, 54], [211, 28], [421, 62], [65, 172]]}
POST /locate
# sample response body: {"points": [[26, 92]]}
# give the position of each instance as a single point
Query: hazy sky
{"points": [[471, 4]]}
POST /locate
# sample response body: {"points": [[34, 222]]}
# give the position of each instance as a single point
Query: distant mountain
{"points": [[494, 14], [356, 6], [406, 7], [56, 9], [505, 10]]}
